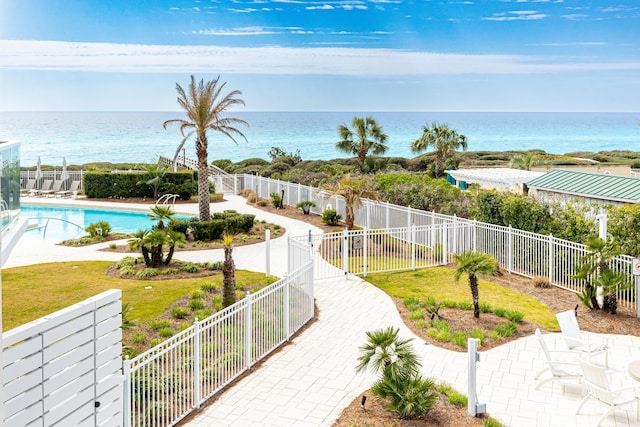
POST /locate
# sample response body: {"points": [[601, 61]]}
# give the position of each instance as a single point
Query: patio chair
{"points": [[57, 186], [28, 187], [561, 364], [598, 382], [588, 344], [46, 185], [72, 191]]}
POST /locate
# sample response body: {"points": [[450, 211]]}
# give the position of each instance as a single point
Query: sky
{"points": [[341, 55]]}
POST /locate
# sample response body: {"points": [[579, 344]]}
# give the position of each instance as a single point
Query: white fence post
{"points": [[197, 369], [365, 257], [455, 235], [345, 251], [287, 315], [413, 246], [510, 249], [126, 392], [408, 216], [474, 407], [445, 244], [267, 241], [475, 234], [550, 252], [386, 213], [247, 330]]}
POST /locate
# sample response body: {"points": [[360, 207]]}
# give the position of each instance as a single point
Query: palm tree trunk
{"points": [[473, 284], [349, 217], [439, 165], [229, 280], [145, 256], [172, 249], [203, 181]]}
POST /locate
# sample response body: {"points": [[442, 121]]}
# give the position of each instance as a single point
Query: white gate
{"points": [[65, 369]]}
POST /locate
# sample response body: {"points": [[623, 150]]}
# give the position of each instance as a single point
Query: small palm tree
{"points": [[445, 141], [161, 214], [229, 273], [138, 244], [473, 264], [204, 104], [353, 190], [524, 162], [366, 136], [388, 355]]}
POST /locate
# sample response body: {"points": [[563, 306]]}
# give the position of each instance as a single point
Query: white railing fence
{"points": [[166, 383], [66, 368], [519, 252], [53, 176]]}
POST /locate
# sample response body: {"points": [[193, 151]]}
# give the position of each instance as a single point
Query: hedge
{"points": [[230, 222], [104, 185]]}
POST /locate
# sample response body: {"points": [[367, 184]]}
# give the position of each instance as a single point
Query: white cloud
{"points": [[576, 44], [516, 15], [575, 16], [129, 58], [241, 31], [322, 7]]}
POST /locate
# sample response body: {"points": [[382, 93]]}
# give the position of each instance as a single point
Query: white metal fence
{"points": [[66, 368], [166, 383], [519, 252]]}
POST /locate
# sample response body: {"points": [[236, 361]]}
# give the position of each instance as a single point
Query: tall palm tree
{"points": [[473, 264], [353, 191], [444, 140], [366, 136], [204, 104]]}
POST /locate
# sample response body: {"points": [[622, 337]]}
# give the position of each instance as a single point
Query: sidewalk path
{"points": [[312, 379]]}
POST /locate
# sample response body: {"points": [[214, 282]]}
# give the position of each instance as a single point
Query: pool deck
{"points": [[312, 379]]}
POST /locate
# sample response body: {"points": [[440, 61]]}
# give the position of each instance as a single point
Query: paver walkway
{"points": [[312, 379]]}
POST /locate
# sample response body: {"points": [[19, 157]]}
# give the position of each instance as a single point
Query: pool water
{"points": [[57, 223]]}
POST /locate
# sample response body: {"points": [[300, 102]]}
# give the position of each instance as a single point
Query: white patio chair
{"points": [[586, 343], [561, 364], [598, 382]]}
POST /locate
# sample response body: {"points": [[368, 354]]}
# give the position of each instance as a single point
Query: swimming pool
{"points": [[64, 222]]}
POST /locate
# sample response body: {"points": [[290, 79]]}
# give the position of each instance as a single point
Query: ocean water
{"points": [[132, 137]]}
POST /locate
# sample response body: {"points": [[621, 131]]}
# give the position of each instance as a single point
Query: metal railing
{"points": [[167, 382]]}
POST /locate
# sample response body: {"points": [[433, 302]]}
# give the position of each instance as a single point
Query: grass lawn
{"points": [[31, 292], [438, 283]]}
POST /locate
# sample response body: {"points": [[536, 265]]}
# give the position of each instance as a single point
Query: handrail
{"points": [[165, 199], [44, 227]]}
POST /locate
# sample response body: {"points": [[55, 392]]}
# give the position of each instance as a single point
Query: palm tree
{"points": [[388, 355], [229, 273], [160, 214], [473, 264], [366, 136], [204, 104], [352, 190], [445, 141], [524, 162]]}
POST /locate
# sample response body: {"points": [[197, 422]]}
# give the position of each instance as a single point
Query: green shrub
{"points": [[156, 341], [147, 272], [138, 338], [541, 282], [485, 307], [103, 185], [190, 267], [448, 304], [440, 330], [479, 334], [331, 217], [112, 246], [129, 352], [411, 302], [196, 304], [514, 316], [416, 314], [98, 229], [208, 287], [127, 271], [504, 330], [453, 396], [464, 305], [171, 271], [410, 398], [217, 302], [158, 324], [126, 262], [202, 314], [166, 332], [421, 323], [500, 312], [199, 294], [179, 312], [276, 200], [428, 301], [459, 338], [490, 422], [216, 265]]}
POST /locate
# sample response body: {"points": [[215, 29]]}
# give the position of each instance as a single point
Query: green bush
{"points": [[504, 330], [464, 305], [448, 304], [138, 338], [209, 287], [331, 217], [147, 272], [411, 302], [127, 270], [217, 302], [416, 314], [179, 312], [171, 271], [166, 332], [514, 316], [196, 304], [98, 229], [459, 338], [190, 267], [479, 334], [158, 324], [104, 185], [202, 314], [199, 294], [453, 396], [276, 200]]}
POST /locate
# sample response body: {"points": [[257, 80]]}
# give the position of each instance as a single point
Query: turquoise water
{"points": [[69, 222], [132, 137]]}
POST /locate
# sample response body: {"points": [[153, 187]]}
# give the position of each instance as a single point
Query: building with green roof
{"points": [[565, 185]]}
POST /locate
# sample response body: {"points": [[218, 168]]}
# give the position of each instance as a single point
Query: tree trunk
{"points": [[473, 284], [439, 167], [145, 255], [203, 180], [172, 249], [229, 280], [349, 217], [156, 256]]}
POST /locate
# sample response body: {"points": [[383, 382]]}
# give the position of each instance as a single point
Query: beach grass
{"points": [[31, 292], [437, 282]]}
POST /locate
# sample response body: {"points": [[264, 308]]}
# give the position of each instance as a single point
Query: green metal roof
{"points": [[589, 184]]}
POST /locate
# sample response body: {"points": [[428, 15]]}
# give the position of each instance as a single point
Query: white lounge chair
{"points": [[28, 187], [588, 344], [46, 185], [598, 381], [560, 364], [72, 191], [57, 186]]}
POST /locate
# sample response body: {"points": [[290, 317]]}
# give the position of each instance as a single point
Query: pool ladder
{"points": [[167, 198], [37, 226]]}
